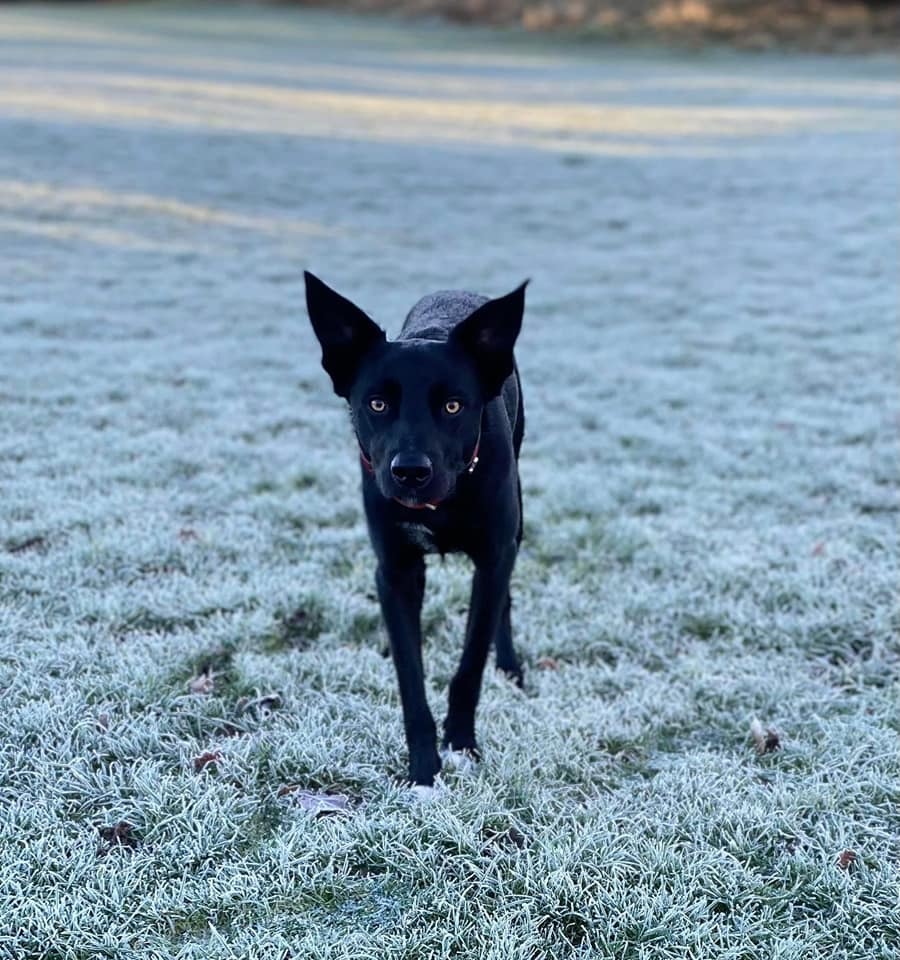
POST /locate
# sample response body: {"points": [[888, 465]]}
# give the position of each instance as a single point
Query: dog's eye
{"points": [[452, 406], [377, 405]]}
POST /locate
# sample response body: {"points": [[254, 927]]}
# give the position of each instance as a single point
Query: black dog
{"points": [[439, 419]]}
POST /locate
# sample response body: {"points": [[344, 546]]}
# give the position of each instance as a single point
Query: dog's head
{"points": [[416, 405]]}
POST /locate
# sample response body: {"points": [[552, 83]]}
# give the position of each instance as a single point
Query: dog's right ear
{"points": [[344, 331]]}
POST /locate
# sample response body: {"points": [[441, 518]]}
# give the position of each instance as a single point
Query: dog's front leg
{"points": [[490, 593], [401, 586]]}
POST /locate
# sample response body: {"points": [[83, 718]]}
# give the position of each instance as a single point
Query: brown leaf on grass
{"points": [[499, 839], [297, 620], [119, 834], [186, 534], [846, 859], [209, 757], [819, 549], [765, 739], [260, 706], [203, 684], [317, 803], [515, 837], [300, 627], [102, 722], [227, 729], [548, 663]]}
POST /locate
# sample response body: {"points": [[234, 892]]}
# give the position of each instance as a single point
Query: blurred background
{"points": [[749, 24]]}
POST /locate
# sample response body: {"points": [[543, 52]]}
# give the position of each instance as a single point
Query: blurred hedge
{"points": [[811, 24], [825, 24]]}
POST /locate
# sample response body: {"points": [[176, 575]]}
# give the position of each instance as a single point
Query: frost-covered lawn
{"points": [[189, 643]]}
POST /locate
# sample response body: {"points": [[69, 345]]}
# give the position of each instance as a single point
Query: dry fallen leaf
{"points": [[548, 663], [765, 739], [203, 684], [261, 706], [515, 837], [205, 759], [846, 859], [120, 834], [497, 840], [318, 804]]}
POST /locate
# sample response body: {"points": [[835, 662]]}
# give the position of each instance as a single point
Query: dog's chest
{"points": [[421, 536]]}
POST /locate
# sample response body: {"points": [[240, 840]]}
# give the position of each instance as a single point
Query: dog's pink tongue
{"points": [[431, 505]]}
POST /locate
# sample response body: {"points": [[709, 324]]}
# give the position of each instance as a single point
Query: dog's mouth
{"points": [[414, 505]]}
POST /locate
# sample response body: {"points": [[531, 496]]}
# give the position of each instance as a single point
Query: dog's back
{"points": [[435, 315]]}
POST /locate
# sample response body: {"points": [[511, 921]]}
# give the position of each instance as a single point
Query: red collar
{"points": [[366, 462]]}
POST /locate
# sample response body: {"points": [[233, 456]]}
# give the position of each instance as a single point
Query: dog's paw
{"points": [[514, 676], [462, 761], [420, 793]]}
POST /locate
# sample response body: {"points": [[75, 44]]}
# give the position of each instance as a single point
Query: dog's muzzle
{"points": [[412, 471]]}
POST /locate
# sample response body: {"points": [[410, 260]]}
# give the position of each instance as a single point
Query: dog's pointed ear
{"points": [[345, 332], [489, 334]]}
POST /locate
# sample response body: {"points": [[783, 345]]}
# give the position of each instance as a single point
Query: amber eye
{"points": [[453, 406], [377, 405]]}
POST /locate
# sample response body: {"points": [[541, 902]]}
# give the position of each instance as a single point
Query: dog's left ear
{"points": [[345, 332], [489, 334]]}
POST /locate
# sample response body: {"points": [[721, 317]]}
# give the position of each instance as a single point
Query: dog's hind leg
{"points": [[506, 659]]}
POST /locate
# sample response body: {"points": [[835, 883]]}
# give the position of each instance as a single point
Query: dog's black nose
{"points": [[411, 469]]}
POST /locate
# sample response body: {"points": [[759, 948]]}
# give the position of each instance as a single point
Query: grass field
{"points": [[190, 650]]}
